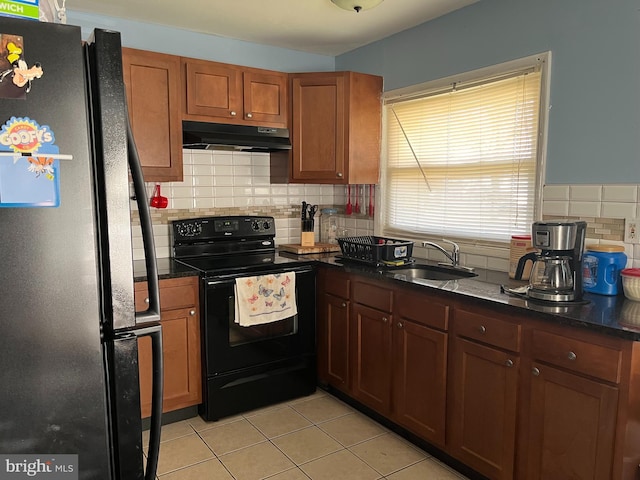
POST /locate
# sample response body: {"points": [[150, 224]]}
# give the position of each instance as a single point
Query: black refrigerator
{"points": [[69, 386]]}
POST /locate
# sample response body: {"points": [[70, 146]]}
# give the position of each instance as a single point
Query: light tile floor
{"points": [[316, 437]]}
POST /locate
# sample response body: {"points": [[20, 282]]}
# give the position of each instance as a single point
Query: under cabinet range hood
{"points": [[210, 136]]}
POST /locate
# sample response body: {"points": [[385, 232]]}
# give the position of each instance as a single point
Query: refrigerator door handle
{"points": [[152, 314], [155, 333]]}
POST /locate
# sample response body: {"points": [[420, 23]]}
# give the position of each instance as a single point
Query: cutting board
{"points": [[317, 248]]}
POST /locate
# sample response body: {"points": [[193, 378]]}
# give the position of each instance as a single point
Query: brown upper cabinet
{"points": [[223, 93], [152, 83], [335, 127]]}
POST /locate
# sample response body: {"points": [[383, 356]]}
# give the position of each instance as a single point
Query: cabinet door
{"points": [[333, 354], [181, 356], [482, 417], [420, 372], [371, 357], [572, 426], [213, 90], [318, 129], [152, 82], [265, 98]]}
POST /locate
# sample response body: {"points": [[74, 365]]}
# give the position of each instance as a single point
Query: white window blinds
{"points": [[462, 163]]}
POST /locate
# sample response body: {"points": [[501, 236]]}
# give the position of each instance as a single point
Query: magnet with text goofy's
{"points": [[29, 164], [15, 74]]}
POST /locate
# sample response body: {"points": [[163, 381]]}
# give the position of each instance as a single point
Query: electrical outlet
{"points": [[631, 233]]}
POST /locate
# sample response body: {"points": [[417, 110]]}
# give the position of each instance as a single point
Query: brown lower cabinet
{"points": [[483, 392], [572, 425], [180, 320], [482, 413], [370, 349], [512, 396], [394, 364], [333, 329], [420, 365]]}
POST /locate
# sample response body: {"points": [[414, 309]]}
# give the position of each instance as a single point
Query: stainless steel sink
{"points": [[430, 272]]}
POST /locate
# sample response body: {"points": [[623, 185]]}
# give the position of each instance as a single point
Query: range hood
{"points": [[202, 135]]}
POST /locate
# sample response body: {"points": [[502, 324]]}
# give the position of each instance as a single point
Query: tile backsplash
{"points": [[219, 182]]}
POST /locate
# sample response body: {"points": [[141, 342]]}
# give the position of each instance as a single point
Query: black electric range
{"points": [[246, 367]]}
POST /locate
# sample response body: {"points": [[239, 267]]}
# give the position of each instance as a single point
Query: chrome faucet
{"points": [[454, 256]]}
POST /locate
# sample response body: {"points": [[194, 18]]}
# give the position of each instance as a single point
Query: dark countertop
{"points": [[167, 268], [612, 315]]}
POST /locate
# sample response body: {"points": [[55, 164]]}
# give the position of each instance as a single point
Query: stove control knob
{"points": [[255, 225], [189, 229], [182, 229], [266, 224]]}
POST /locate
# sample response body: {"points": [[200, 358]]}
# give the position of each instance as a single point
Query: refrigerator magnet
{"points": [[29, 165], [15, 74]]}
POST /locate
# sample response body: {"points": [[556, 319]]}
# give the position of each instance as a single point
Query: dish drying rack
{"points": [[377, 251]]}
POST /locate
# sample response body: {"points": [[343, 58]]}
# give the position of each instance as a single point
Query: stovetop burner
{"points": [[231, 263]]}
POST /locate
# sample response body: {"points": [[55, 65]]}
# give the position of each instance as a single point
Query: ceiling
{"points": [[313, 26]]}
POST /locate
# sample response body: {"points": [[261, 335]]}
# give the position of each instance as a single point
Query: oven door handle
{"points": [[231, 277]]}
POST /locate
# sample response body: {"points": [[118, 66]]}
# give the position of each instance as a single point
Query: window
{"points": [[465, 161]]}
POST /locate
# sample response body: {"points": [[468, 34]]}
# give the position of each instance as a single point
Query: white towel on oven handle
{"points": [[265, 298]]}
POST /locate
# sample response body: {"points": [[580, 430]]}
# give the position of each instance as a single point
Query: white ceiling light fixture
{"points": [[356, 5]]}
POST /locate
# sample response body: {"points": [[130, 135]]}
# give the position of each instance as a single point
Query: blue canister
{"points": [[601, 267]]}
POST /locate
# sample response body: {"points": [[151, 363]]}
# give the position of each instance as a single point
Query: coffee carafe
{"points": [[556, 275]]}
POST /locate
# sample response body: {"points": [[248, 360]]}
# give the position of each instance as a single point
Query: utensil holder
{"points": [[307, 239], [307, 234]]}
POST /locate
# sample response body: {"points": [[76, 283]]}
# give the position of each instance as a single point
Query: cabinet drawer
{"points": [[372, 296], [337, 284], [489, 330], [421, 309], [174, 293], [577, 355]]}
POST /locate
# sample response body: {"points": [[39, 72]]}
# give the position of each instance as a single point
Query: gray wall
{"points": [[594, 122], [157, 38]]}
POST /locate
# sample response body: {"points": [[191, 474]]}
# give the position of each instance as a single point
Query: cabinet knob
{"points": [[249, 115], [535, 371], [509, 363], [400, 325], [385, 319], [146, 300], [192, 312], [233, 114], [572, 356], [339, 174], [482, 329], [344, 305]]}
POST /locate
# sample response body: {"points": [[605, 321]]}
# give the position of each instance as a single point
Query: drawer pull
{"points": [[339, 174], [344, 305], [384, 319], [249, 115], [509, 363], [233, 114], [192, 312], [535, 371], [146, 300], [400, 325], [482, 329], [572, 356]]}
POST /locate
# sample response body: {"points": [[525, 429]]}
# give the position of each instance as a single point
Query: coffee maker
{"points": [[556, 275]]}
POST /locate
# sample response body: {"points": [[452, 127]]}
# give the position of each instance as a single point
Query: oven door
{"points": [[230, 347]]}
